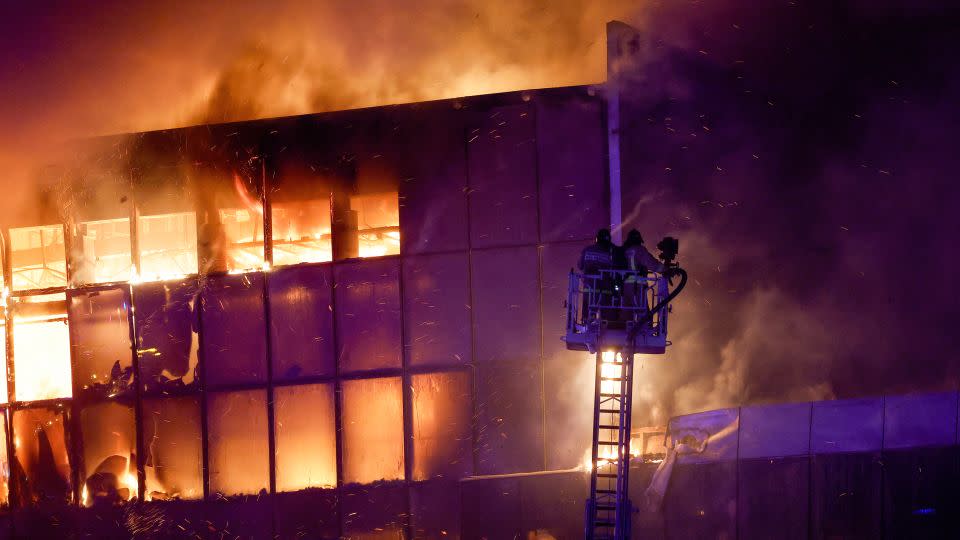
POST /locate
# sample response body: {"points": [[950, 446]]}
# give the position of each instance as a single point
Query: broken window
{"points": [[41, 348], [99, 324], [38, 257], [173, 443], [305, 434], [230, 220], [237, 442], [378, 223], [100, 251], [166, 213], [301, 231], [442, 432], [109, 444], [168, 245], [166, 333], [42, 461], [372, 430]]}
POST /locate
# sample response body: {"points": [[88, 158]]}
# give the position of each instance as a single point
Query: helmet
{"points": [[603, 236], [633, 238]]}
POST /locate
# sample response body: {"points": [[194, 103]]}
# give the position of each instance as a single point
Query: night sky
{"points": [[804, 152]]}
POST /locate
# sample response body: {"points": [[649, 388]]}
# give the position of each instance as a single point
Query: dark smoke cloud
{"points": [[803, 153]]}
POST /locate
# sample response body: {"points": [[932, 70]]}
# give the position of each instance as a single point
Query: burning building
{"points": [[316, 324], [347, 324]]}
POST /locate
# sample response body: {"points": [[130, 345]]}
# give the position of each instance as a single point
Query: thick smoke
{"points": [[802, 153]]}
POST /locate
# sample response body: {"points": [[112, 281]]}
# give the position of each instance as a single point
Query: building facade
{"points": [[351, 311]]}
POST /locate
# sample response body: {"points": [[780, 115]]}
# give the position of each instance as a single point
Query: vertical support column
{"points": [[623, 47], [8, 358], [138, 400]]}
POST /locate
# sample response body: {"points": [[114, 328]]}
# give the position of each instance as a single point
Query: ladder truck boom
{"points": [[615, 314]]}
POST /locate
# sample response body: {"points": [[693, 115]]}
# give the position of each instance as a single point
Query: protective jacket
{"points": [[596, 257], [638, 257]]}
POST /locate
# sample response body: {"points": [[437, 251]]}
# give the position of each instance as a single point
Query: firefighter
{"points": [[597, 289], [636, 256], [598, 256]]}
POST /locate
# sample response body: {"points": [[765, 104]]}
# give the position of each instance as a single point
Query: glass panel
{"points": [[166, 333], [173, 444], [301, 232], [378, 223], [301, 322], [4, 465], [368, 314], [442, 412], [168, 245], [100, 330], [237, 437], [109, 454], [38, 257], [41, 348], [372, 430], [101, 252], [305, 436], [42, 461], [234, 340]]}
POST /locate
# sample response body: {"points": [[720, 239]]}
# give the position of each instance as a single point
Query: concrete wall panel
{"points": [[506, 303], [920, 420], [502, 168], [851, 425], [367, 295], [301, 322], [775, 430], [436, 303], [773, 498], [572, 160]]}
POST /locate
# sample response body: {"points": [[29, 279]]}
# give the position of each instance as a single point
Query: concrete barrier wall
{"points": [[884, 467]]}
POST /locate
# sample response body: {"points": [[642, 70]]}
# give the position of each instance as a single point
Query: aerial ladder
{"points": [[616, 314]]}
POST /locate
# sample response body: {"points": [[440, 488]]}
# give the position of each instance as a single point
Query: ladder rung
{"points": [[604, 523], [606, 491], [609, 411], [606, 475], [610, 395], [611, 379], [608, 426], [608, 443], [606, 507]]}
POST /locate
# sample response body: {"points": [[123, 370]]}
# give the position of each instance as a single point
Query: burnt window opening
{"points": [[167, 245], [166, 332], [38, 257], [100, 252], [109, 459], [100, 334], [42, 466], [41, 347]]}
